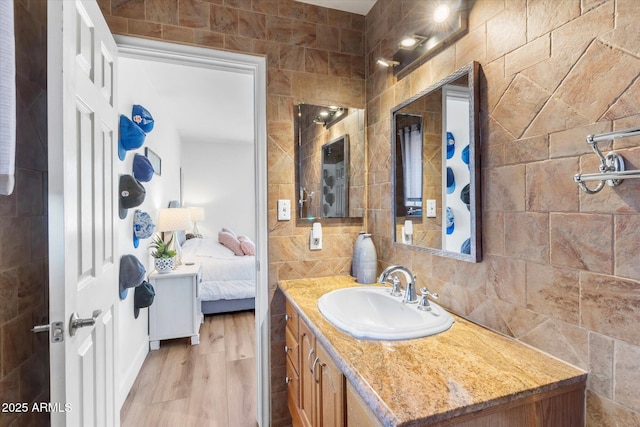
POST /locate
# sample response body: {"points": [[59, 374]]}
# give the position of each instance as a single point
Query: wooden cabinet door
{"points": [[330, 391], [306, 343]]}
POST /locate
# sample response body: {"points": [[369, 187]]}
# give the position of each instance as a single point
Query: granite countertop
{"points": [[431, 379]]}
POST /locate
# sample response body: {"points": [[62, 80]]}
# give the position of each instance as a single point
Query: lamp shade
{"points": [[174, 219], [197, 214]]}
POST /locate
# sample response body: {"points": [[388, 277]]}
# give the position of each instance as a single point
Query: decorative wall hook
{"points": [[611, 166]]}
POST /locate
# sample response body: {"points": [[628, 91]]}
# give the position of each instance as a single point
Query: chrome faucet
{"points": [[410, 292]]}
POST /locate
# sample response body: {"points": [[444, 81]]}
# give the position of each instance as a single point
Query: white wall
{"points": [[134, 88], [220, 177]]}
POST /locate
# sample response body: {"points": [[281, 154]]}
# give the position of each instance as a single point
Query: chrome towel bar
{"points": [[611, 166]]}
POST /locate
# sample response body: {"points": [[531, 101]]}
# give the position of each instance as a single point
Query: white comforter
{"points": [[224, 275]]}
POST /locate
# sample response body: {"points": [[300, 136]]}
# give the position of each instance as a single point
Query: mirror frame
{"points": [[357, 147], [472, 70]]}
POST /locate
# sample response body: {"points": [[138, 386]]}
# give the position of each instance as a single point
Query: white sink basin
{"points": [[370, 312]]}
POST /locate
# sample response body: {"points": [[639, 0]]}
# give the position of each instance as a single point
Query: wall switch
{"points": [[284, 210], [431, 208]]}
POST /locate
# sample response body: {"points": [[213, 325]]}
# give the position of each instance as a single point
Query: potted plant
{"points": [[163, 256]]}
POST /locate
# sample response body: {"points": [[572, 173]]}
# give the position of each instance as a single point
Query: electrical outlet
{"points": [[431, 208]]}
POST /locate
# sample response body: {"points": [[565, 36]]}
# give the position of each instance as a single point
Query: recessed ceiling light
{"points": [[441, 13], [408, 42], [411, 42]]}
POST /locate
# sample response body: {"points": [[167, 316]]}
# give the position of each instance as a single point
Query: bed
{"points": [[228, 281]]}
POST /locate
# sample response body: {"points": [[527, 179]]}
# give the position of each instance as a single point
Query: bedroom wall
{"points": [[224, 188], [134, 88], [315, 55]]}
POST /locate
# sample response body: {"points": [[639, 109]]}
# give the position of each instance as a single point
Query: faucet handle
{"points": [[395, 290], [423, 304], [425, 292]]}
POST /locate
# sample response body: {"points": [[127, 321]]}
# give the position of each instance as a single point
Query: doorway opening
{"points": [[251, 70]]}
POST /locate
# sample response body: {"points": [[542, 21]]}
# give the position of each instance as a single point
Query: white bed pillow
{"points": [[207, 248]]}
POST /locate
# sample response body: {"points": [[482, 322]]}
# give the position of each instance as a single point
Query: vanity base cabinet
{"points": [[561, 407], [358, 413], [330, 403], [306, 345], [316, 394]]}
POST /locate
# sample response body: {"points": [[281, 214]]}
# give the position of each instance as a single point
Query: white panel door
{"points": [[83, 262]]}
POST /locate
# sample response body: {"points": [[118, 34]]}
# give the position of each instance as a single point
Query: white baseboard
{"points": [[132, 373]]}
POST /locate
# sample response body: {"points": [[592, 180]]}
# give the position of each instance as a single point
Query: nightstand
{"points": [[176, 310]]}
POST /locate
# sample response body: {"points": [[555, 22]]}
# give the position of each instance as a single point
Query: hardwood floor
{"points": [[210, 384]]}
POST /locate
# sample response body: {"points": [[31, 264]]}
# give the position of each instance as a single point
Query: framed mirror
{"points": [[435, 168], [331, 161]]}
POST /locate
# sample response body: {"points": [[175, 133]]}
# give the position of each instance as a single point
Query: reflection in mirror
{"points": [[436, 170], [330, 161], [335, 178]]}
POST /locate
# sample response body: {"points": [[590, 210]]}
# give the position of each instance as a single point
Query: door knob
{"points": [[76, 322]]}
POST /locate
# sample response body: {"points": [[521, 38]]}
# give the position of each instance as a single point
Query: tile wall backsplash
{"points": [[561, 268], [24, 356]]}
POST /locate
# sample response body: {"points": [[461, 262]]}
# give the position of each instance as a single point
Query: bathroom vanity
{"points": [[465, 376]]}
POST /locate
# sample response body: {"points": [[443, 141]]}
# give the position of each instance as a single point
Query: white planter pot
{"points": [[163, 265]]}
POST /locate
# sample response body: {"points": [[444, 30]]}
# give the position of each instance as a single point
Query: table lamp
{"points": [[197, 214], [174, 220]]}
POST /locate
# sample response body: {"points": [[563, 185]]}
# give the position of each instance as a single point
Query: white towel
{"points": [[7, 99]]}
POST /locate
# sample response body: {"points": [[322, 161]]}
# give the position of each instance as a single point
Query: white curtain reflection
{"points": [[411, 145]]}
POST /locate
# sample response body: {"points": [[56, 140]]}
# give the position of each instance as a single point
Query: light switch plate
{"points": [[284, 210], [431, 208]]}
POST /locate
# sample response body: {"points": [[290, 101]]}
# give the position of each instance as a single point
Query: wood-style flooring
{"points": [[211, 384]]}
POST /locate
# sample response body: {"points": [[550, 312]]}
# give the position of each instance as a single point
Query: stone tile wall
{"points": [[561, 269], [315, 55], [24, 356]]}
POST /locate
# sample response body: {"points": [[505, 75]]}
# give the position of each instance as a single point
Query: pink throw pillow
{"points": [[230, 241], [230, 231], [247, 246]]}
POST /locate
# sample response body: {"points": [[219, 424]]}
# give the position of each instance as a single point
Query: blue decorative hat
{"points": [[465, 196], [143, 297], [142, 118], [143, 227], [466, 247], [450, 221], [131, 136], [130, 194], [142, 168], [465, 155], [451, 145], [132, 274], [451, 181]]}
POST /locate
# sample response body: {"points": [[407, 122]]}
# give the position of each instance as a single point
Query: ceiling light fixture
{"points": [[441, 13], [387, 62], [328, 117], [411, 42]]}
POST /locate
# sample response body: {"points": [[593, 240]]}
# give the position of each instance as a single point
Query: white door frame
{"points": [[137, 48]]}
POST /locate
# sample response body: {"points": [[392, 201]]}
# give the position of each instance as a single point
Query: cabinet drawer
{"points": [[291, 317], [292, 349], [293, 387]]}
